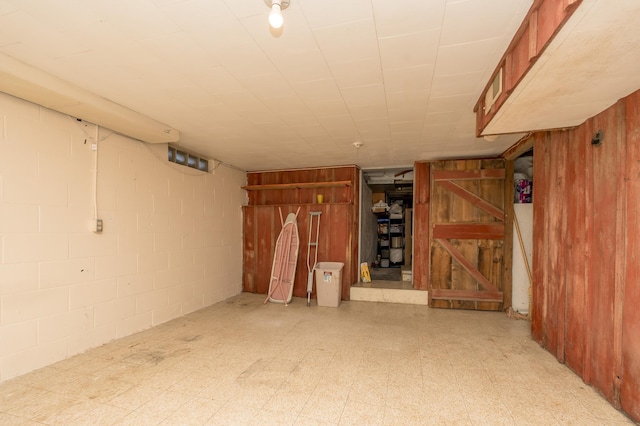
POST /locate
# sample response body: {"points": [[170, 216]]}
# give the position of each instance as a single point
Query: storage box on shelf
{"points": [[396, 233]]}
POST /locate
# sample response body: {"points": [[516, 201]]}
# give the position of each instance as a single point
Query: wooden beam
{"points": [[472, 270], [473, 199], [299, 185], [533, 35], [469, 295], [469, 231], [542, 23], [440, 175]]}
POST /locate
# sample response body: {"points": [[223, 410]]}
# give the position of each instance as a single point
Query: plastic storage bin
{"points": [[329, 283]]}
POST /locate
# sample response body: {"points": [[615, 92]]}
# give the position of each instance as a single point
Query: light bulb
{"points": [[275, 17]]}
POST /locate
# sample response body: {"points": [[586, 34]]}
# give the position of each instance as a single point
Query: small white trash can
{"points": [[329, 283]]}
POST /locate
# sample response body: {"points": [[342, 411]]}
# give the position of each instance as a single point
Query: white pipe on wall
{"points": [[25, 82]]}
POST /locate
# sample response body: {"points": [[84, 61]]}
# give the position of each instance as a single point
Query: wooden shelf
{"points": [[300, 185]]}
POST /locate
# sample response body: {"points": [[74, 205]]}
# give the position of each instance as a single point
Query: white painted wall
{"points": [[520, 278], [172, 240]]}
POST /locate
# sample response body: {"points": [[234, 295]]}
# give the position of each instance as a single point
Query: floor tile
{"points": [[242, 362]]}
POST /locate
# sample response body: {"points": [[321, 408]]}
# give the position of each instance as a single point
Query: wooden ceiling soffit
{"points": [[543, 21]]}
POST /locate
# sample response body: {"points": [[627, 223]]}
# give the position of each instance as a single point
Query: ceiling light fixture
{"points": [[275, 17]]}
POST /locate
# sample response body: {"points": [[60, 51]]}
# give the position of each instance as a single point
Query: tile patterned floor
{"points": [[242, 362]]}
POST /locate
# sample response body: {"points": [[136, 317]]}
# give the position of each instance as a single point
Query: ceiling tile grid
{"points": [[400, 77]]}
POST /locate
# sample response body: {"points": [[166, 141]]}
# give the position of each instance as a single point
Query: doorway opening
{"points": [[386, 236]]}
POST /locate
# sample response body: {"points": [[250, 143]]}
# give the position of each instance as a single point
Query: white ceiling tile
{"points": [[267, 86], [360, 73], [368, 112], [407, 114], [408, 79], [246, 61], [139, 19], [36, 38], [317, 90], [458, 84], [364, 95], [217, 80], [302, 67], [348, 42], [409, 50], [328, 13], [329, 108], [397, 18], [412, 128], [373, 127], [466, 58], [244, 9], [462, 24], [450, 104], [408, 99]]}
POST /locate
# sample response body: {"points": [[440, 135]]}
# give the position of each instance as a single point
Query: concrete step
{"points": [[389, 292]]}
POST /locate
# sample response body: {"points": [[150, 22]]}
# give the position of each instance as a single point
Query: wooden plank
{"points": [[344, 174], [354, 236], [576, 267], [440, 175], [440, 272], [630, 387], [473, 199], [491, 231], [463, 211], [558, 253], [267, 228], [620, 241], [421, 228], [296, 185], [603, 246], [538, 262], [468, 266], [588, 252], [533, 35], [504, 270], [468, 295]]}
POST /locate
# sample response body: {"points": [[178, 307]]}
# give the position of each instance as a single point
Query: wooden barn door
{"points": [[467, 236]]}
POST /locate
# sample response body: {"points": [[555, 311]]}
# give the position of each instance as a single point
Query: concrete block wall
{"points": [[171, 243]]}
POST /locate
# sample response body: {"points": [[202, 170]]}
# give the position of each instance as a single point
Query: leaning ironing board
{"points": [[285, 259]]}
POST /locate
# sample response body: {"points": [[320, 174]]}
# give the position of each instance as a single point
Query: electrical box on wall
{"points": [[96, 226]]}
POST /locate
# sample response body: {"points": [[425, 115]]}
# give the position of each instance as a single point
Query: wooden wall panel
{"points": [[540, 171], [338, 225], [603, 248], [267, 227], [630, 356], [586, 255], [421, 201], [575, 274]]}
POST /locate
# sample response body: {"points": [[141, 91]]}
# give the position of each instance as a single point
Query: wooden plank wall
{"points": [[586, 251], [630, 386], [338, 225], [421, 251]]}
